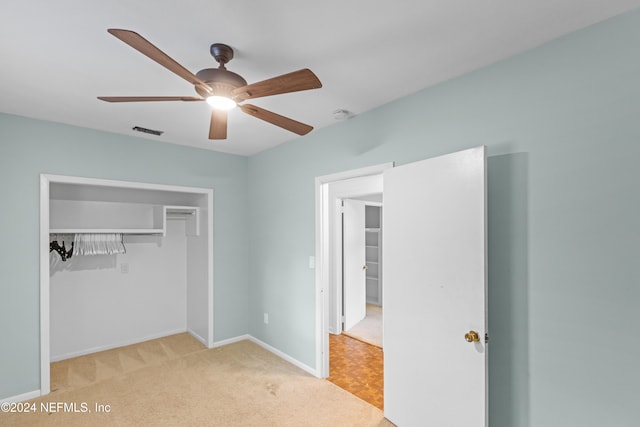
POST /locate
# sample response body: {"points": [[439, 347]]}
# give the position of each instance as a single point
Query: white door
{"points": [[434, 294], [354, 261]]}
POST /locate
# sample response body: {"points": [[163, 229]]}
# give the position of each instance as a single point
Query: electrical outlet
{"points": [[312, 262], [124, 268], [266, 318]]}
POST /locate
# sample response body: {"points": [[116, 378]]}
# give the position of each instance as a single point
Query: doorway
{"points": [[362, 265], [435, 253], [330, 191], [359, 367], [356, 359]]}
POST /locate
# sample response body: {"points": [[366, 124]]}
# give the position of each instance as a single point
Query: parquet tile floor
{"points": [[357, 367]]}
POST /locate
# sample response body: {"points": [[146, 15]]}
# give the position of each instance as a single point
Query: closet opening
{"points": [[141, 266]]}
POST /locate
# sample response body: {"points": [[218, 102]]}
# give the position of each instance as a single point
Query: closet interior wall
{"points": [[159, 287], [373, 255]]}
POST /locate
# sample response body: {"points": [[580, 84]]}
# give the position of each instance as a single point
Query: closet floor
{"points": [[78, 372], [357, 367]]}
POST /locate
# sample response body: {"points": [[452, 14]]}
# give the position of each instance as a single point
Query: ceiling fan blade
{"points": [[145, 47], [148, 98], [292, 82], [218, 125], [276, 119]]}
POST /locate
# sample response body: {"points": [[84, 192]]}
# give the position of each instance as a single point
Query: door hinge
{"points": [[486, 337]]}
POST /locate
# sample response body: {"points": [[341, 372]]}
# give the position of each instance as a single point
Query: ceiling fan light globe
{"points": [[221, 102]]}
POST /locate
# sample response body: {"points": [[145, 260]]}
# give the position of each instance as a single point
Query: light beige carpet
{"points": [[92, 368], [240, 384], [369, 329]]}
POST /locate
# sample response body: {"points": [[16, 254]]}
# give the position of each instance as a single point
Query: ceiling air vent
{"points": [[145, 130]]}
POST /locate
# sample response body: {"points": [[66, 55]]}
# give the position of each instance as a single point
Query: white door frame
{"points": [[45, 181], [329, 190]]}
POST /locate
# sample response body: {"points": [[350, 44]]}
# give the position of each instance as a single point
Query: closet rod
{"points": [[140, 232], [180, 213]]}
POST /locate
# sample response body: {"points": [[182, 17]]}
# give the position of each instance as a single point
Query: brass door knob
{"points": [[472, 336]]}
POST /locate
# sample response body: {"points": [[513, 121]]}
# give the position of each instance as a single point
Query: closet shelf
{"points": [[88, 217], [106, 230]]}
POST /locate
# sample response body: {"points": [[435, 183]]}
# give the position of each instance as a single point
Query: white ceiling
{"points": [[57, 56]]}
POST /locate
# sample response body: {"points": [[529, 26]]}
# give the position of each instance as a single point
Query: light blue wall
{"points": [[30, 147], [562, 127]]}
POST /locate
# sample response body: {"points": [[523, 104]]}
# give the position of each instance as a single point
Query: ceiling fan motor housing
{"points": [[221, 52], [219, 82]]}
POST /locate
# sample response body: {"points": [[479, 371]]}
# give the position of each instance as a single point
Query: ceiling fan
{"points": [[221, 88]]}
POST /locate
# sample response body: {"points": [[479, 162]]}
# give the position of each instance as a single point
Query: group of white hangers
{"points": [[98, 244]]}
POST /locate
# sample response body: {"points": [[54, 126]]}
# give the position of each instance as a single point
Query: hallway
{"points": [[357, 367]]}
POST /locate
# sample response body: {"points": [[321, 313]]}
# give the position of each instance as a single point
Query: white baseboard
{"points": [[231, 340], [273, 350], [285, 356], [197, 337], [21, 397], [59, 357]]}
